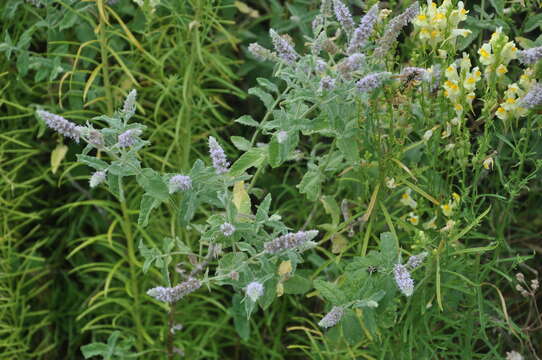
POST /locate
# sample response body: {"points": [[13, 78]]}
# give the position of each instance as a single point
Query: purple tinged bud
{"points": [[332, 318], [317, 24], [533, 97], [289, 241], [343, 16], [530, 56], [97, 178], [254, 290], [180, 182], [174, 294], [371, 82], [284, 49], [261, 53], [327, 83], [416, 260], [321, 65], [220, 163], [364, 30], [129, 107], [61, 125], [128, 138], [325, 7], [403, 279], [227, 229]]}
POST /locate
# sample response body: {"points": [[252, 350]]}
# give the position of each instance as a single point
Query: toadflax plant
{"points": [[401, 147]]}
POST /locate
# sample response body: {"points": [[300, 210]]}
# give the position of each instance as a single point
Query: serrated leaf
{"points": [[240, 143], [331, 208], [153, 184], [57, 155], [263, 209], [311, 184], [265, 97], [240, 320], [253, 158], [388, 247], [93, 162], [247, 120], [148, 203], [263, 82], [328, 291], [297, 285], [352, 331]]}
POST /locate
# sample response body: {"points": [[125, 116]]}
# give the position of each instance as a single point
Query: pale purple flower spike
{"points": [[97, 178], [284, 49], [174, 294], [533, 97], [289, 241], [61, 125], [220, 163], [371, 82], [180, 182], [364, 30], [403, 279], [128, 138], [332, 318], [343, 16], [530, 56]]}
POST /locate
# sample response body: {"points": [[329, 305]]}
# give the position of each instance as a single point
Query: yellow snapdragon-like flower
{"points": [[497, 53], [407, 200], [413, 218], [460, 85], [436, 24], [510, 107]]}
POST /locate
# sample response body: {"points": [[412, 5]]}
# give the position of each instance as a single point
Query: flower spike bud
{"points": [[61, 125]]}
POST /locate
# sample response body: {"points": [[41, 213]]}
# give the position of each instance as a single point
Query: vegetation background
{"points": [[70, 272]]}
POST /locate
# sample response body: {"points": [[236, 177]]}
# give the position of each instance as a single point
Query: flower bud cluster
{"points": [[289, 241], [497, 53], [174, 294], [394, 28], [460, 85], [332, 318], [435, 24]]}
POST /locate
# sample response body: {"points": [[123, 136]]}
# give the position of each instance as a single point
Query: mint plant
{"points": [[395, 144]]}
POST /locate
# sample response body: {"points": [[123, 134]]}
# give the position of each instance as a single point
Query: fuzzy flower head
{"points": [[129, 107], [332, 318], [530, 56], [284, 49], [289, 241], [254, 290], [434, 25], [533, 97], [394, 28], [416, 260], [220, 163], [61, 125], [327, 83], [364, 30], [403, 280], [174, 294], [371, 82], [350, 64], [129, 138], [97, 178], [179, 183], [227, 229], [343, 16]]}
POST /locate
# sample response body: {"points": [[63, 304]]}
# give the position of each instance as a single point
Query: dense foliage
{"points": [[372, 194]]}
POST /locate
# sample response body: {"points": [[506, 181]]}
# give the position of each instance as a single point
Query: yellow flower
{"points": [[407, 200], [456, 198], [501, 70], [413, 218], [488, 163], [447, 209]]}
